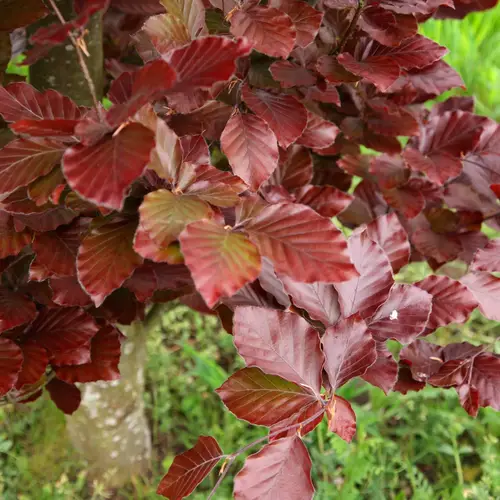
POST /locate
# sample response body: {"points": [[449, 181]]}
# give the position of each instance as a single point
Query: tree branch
{"points": [[81, 61]]}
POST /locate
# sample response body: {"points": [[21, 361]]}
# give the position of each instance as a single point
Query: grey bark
{"points": [[110, 427]]}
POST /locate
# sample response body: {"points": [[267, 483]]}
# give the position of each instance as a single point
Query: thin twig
{"points": [[81, 61], [348, 32], [10, 400], [233, 456]]}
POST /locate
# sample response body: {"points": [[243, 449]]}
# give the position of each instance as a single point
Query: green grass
{"points": [[474, 45]]}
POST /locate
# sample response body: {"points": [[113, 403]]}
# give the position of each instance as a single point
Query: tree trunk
{"points": [[110, 427]]}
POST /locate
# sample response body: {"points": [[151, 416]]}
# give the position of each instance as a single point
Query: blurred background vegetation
{"points": [[420, 446]]}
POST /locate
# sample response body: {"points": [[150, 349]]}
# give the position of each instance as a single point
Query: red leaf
{"points": [[333, 71], [423, 358], [105, 349], [384, 372], [282, 469], [388, 232], [403, 316], [148, 83], [210, 250], [416, 52], [441, 247], [35, 361], [439, 167], [12, 241], [22, 161], [405, 382], [263, 399], [21, 101], [319, 133], [62, 329], [251, 148], [469, 399], [269, 30], [77, 356], [45, 128], [349, 350], [290, 74], [102, 173], [341, 418], [295, 168], [147, 248], [56, 251], [67, 397], [206, 61], [487, 258], [279, 343], [320, 300], [452, 302], [365, 293], [208, 120], [11, 361], [326, 200], [486, 290], [278, 231], [386, 27], [285, 115], [166, 32], [164, 215], [15, 15], [305, 18], [106, 258], [291, 425], [190, 468], [15, 309], [382, 71]]}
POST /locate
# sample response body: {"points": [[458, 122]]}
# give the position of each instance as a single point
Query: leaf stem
{"points": [[232, 457], [81, 61]]}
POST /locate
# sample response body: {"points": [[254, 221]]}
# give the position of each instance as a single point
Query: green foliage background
{"points": [[420, 446]]}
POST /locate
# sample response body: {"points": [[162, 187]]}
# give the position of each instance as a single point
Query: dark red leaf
{"points": [[148, 83], [384, 372], [349, 350], [341, 418], [106, 258], [45, 128], [290, 426], [278, 231], [319, 133], [452, 302], [295, 168], [423, 358], [12, 241], [280, 469], [15, 15], [405, 382], [285, 115], [105, 348], [403, 316], [365, 293], [21, 101], [388, 232], [290, 74], [22, 161], [279, 343], [35, 361], [305, 18], [190, 468], [382, 71], [206, 61], [334, 72], [15, 309], [263, 399], [62, 329], [487, 258], [102, 173], [11, 361], [320, 300], [212, 250], [251, 148], [486, 290], [439, 167], [326, 200], [67, 397], [269, 30], [441, 247]]}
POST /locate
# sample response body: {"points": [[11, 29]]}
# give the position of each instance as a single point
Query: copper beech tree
{"points": [[230, 138]]}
